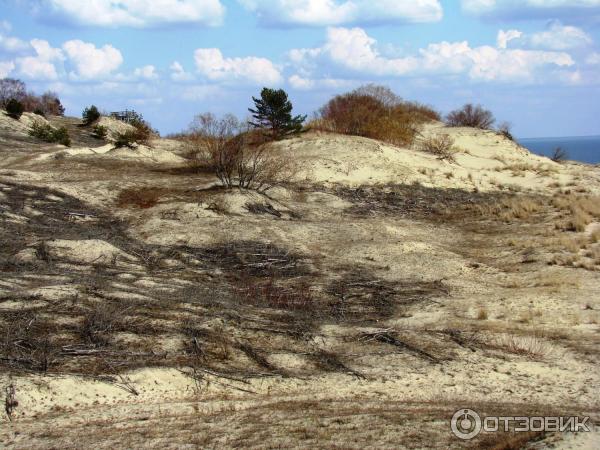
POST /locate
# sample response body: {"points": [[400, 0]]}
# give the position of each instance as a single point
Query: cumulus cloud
{"points": [[90, 62], [211, 64], [146, 72], [560, 37], [352, 49], [542, 9], [134, 13], [340, 12], [42, 65], [556, 36]]}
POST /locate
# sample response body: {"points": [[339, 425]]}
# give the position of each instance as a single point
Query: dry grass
{"points": [[516, 207], [440, 145], [147, 197], [532, 346]]}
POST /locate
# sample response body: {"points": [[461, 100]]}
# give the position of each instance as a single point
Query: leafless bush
{"points": [[505, 130], [98, 324], [439, 145], [471, 116], [559, 155], [237, 156]]}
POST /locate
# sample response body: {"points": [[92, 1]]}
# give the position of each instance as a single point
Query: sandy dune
{"points": [[358, 307]]}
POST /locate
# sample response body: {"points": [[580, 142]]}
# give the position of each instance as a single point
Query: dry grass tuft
{"points": [[440, 145], [530, 346]]}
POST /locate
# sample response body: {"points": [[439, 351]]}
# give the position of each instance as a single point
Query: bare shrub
{"points": [[11, 88], [470, 115], [505, 130], [46, 104], [439, 145], [98, 324], [559, 155], [375, 112], [237, 157]]}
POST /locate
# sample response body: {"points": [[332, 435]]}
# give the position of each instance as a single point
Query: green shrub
{"points": [[48, 133], [14, 108], [100, 131], [90, 115], [126, 139]]}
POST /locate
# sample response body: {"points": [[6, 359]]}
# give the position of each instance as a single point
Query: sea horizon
{"points": [[584, 149]]}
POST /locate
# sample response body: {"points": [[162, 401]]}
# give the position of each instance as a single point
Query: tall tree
{"points": [[274, 113]]}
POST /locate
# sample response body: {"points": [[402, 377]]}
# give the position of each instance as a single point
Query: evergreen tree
{"points": [[274, 113]]}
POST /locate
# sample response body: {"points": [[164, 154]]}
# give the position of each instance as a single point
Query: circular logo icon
{"points": [[465, 424]]}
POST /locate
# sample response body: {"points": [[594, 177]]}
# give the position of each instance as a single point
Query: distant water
{"points": [[584, 149]]}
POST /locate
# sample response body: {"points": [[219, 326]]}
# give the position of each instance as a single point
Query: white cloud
{"points": [[340, 12], [304, 84], [43, 64], [136, 13], [353, 49], [146, 72], [178, 73], [556, 36], [6, 67], [560, 37], [90, 62], [521, 9], [504, 37], [211, 64]]}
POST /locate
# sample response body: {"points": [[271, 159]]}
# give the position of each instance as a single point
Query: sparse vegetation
{"points": [[100, 131], [48, 133], [505, 130], [471, 116]]}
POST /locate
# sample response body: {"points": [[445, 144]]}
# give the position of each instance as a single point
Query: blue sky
{"points": [[534, 63]]}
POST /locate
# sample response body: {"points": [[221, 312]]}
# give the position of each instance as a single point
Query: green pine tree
{"points": [[274, 113]]}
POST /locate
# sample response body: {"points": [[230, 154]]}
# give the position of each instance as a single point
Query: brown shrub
{"points": [[141, 198], [237, 157], [471, 116], [374, 112]]}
